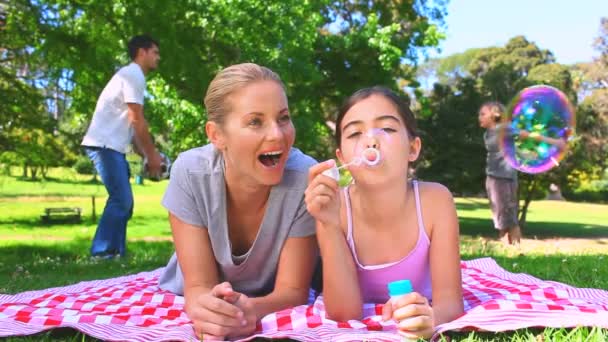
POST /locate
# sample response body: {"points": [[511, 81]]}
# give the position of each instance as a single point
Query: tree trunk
{"points": [[24, 174], [524, 210], [33, 172]]}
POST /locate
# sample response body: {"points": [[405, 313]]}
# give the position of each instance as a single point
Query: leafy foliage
{"points": [[323, 50]]}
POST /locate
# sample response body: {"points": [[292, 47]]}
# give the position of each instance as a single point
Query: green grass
{"points": [[546, 219], [35, 256]]}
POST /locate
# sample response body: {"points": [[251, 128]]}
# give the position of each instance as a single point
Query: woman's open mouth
{"points": [[270, 159]]}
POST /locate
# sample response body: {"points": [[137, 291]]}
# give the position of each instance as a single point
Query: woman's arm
{"points": [[445, 257], [205, 298], [294, 273]]}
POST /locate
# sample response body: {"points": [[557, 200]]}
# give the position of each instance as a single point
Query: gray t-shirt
{"points": [[496, 165], [196, 194]]}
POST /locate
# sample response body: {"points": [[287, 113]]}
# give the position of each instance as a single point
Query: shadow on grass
{"points": [[471, 205], [65, 180], [34, 222], [535, 229], [36, 266]]}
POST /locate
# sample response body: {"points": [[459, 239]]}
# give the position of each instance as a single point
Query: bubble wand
{"points": [[334, 172]]}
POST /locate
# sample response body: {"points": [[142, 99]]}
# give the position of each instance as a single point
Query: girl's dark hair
{"points": [[140, 42], [402, 106]]}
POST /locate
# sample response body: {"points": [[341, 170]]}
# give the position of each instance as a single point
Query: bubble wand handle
{"points": [[356, 161], [334, 172]]}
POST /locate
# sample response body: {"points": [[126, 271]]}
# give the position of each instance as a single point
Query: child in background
{"points": [[383, 226], [501, 178]]}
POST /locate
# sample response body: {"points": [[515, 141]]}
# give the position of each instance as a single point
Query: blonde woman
{"points": [[245, 243]]}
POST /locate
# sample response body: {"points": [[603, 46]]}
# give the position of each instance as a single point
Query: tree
{"points": [[454, 145], [592, 123], [323, 50], [36, 151], [452, 151], [450, 69], [20, 103], [28, 135]]}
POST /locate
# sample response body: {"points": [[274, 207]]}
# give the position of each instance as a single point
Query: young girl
{"points": [[384, 227], [501, 178]]}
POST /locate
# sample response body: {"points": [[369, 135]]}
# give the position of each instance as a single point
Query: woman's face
{"points": [[375, 122], [257, 133], [486, 117]]}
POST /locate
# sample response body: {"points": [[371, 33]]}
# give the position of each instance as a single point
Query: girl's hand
{"points": [[524, 134], [214, 317], [322, 195], [413, 314]]}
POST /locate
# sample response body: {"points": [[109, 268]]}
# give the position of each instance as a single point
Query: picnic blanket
{"points": [[133, 308]]}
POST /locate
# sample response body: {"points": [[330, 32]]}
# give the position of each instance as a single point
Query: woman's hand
{"points": [[322, 195], [413, 314], [214, 316], [245, 304]]}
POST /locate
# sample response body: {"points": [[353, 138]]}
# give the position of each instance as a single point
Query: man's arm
{"points": [[136, 149], [142, 139]]}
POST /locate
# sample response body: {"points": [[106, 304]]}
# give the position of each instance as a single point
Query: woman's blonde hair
{"points": [[496, 108], [228, 81]]}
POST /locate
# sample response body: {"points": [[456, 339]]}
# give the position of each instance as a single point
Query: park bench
{"points": [[61, 215]]}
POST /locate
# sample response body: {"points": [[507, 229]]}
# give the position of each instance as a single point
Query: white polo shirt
{"points": [[110, 126]]}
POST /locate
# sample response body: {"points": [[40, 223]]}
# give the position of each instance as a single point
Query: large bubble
{"points": [[536, 128]]}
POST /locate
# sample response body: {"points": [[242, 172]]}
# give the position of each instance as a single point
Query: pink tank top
{"points": [[414, 266]]}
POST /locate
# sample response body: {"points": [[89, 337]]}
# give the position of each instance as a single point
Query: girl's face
{"points": [[360, 129], [257, 133], [486, 117]]}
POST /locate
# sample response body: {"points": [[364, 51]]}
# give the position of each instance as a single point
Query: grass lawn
{"points": [[565, 242]]}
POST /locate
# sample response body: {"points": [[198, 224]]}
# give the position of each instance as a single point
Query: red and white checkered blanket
{"points": [[133, 308]]}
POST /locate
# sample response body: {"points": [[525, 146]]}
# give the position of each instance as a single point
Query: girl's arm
{"points": [[445, 256], [341, 292], [415, 317], [560, 143]]}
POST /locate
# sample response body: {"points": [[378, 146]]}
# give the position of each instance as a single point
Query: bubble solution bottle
{"points": [[397, 289]]}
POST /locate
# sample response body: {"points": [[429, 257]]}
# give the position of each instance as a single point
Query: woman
{"points": [[244, 242]]}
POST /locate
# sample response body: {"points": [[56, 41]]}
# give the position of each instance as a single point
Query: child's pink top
{"points": [[414, 266]]}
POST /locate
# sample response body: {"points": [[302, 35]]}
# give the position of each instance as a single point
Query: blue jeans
{"points": [[111, 235]]}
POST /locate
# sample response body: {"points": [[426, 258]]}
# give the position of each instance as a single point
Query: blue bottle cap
{"points": [[399, 287]]}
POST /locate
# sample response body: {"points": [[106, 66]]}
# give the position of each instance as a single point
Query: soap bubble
{"points": [[536, 128], [367, 150]]}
